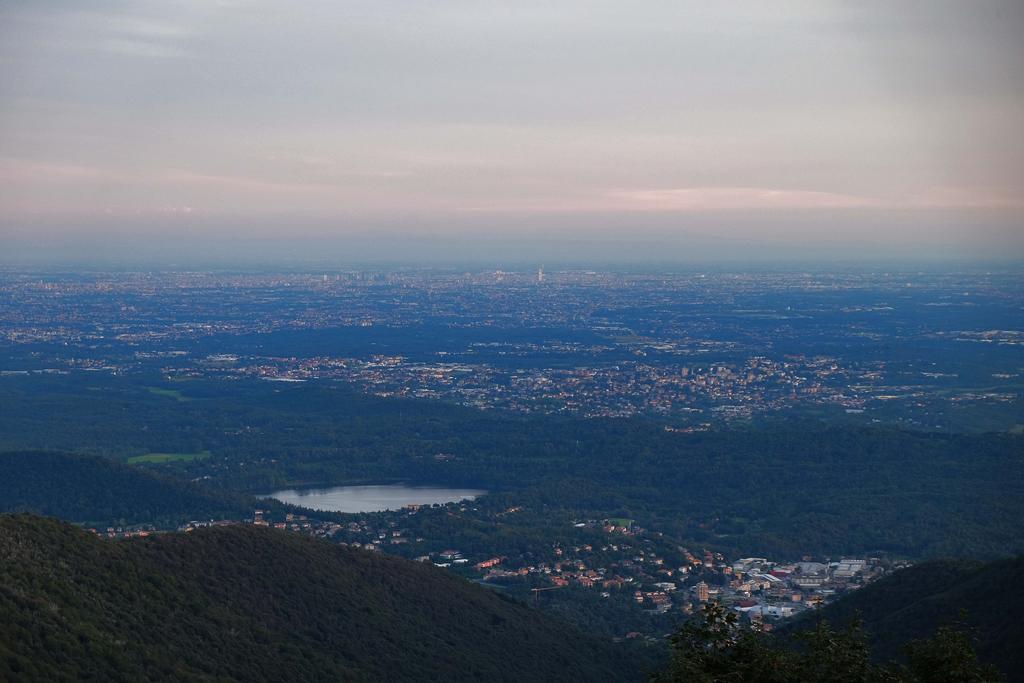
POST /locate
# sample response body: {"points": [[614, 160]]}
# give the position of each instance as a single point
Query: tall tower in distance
{"points": [[540, 275]]}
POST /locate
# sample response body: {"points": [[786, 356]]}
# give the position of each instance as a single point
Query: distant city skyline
{"points": [[535, 132]]}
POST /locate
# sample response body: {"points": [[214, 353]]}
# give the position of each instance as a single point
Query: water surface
{"points": [[371, 498]]}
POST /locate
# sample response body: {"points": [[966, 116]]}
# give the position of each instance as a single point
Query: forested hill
{"points": [[246, 603], [912, 603], [782, 487], [99, 491]]}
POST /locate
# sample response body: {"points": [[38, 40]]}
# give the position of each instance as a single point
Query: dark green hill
{"points": [[96, 490], [911, 603], [245, 603]]}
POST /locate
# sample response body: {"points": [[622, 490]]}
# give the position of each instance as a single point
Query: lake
{"points": [[371, 498]]}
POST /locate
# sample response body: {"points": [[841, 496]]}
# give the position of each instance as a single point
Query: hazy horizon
{"points": [[243, 132]]}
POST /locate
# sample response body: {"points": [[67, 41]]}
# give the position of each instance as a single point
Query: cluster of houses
{"points": [[757, 588]]}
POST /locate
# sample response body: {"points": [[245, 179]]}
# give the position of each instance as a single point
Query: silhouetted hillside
{"points": [[911, 603], [246, 603]]}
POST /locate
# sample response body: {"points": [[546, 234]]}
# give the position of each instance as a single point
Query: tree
{"points": [[715, 648], [948, 656]]}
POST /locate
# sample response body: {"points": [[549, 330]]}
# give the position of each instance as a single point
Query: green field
{"points": [[160, 458], [169, 393]]}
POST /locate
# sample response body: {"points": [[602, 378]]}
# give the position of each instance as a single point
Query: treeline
{"points": [[244, 603], [714, 648], [784, 487], [95, 490]]}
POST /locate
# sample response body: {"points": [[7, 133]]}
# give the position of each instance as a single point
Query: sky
{"points": [[578, 129]]}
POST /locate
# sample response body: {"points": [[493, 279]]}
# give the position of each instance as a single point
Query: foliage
{"points": [[948, 656], [909, 604], [716, 649], [779, 487], [245, 603], [99, 491]]}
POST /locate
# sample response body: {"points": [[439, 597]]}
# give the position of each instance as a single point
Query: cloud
{"points": [[732, 198], [756, 198], [142, 48], [38, 170], [576, 109], [144, 37], [244, 184], [137, 26], [968, 198]]}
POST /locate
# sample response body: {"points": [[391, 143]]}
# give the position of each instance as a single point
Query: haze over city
{"points": [[567, 132], [467, 340]]}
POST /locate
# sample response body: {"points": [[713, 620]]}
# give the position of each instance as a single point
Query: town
{"points": [[693, 348]]}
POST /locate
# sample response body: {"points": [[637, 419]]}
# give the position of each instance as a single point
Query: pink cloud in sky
{"points": [[729, 198]]}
